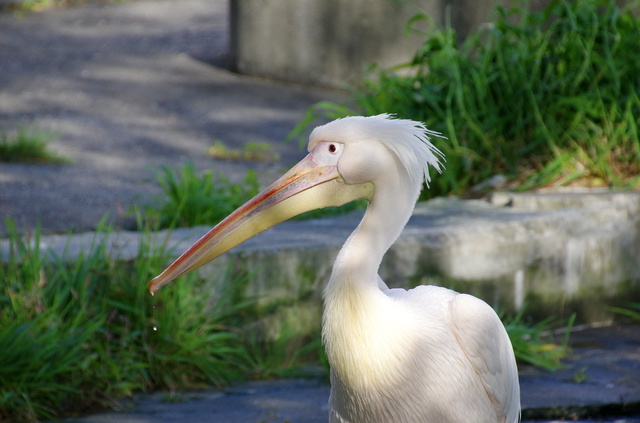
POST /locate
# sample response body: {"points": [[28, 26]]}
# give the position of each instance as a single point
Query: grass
{"points": [[84, 334], [547, 98], [534, 343], [190, 199], [632, 313], [29, 145]]}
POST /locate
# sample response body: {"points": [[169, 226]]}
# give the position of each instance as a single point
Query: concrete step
{"points": [[556, 252]]}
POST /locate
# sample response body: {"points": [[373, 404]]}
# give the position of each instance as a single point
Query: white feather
{"points": [[407, 139]]}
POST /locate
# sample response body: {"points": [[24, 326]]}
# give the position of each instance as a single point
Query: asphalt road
{"points": [[126, 88]]}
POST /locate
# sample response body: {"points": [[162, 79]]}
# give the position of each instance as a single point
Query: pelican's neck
{"points": [[357, 317], [387, 214]]}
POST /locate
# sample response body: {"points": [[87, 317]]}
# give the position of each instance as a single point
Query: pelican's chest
{"points": [[374, 340], [387, 354]]}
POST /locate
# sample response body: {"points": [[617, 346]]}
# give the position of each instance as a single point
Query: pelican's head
{"points": [[346, 158], [364, 144]]}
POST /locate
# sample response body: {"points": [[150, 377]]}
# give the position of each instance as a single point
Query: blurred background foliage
{"points": [[546, 98]]}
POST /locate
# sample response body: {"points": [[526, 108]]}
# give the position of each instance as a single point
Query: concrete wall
{"points": [[331, 42]]}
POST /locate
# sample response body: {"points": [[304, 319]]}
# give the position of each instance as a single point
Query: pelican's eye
{"points": [[327, 153]]}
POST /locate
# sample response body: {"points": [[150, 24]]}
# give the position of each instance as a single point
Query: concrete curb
{"points": [[558, 253]]}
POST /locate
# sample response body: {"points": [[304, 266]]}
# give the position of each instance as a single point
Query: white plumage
{"points": [[427, 354]]}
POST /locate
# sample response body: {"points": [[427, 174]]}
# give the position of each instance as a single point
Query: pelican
{"points": [[427, 354]]}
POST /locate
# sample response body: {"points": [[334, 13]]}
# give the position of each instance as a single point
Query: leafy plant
{"points": [[190, 199], [85, 333], [632, 313], [28, 146], [548, 98], [534, 343]]}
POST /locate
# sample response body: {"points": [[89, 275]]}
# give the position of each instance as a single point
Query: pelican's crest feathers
{"points": [[407, 139]]}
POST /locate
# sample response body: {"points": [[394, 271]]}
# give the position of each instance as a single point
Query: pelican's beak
{"points": [[307, 186]]}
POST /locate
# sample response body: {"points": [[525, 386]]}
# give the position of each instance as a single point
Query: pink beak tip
{"points": [[152, 286]]}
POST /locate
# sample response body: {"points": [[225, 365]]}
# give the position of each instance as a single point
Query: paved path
{"points": [[127, 88]]}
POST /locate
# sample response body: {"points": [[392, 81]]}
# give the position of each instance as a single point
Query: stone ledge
{"points": [[556, 252]]}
